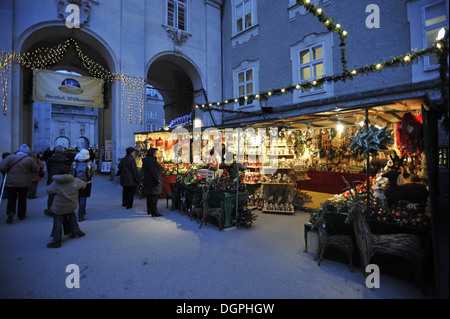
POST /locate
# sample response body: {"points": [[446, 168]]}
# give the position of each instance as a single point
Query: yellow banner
{"points": [[68, 89]]}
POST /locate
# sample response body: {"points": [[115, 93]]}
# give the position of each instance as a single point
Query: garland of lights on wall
{"points": [[133, 88]]}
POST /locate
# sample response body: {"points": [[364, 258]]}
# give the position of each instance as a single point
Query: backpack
{"points": [[82, 170]]}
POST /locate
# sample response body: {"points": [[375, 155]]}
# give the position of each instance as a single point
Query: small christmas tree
{"points": [[245, 216]]}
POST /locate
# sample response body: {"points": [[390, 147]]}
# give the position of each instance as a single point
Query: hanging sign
{"points": [[67, 89], [182, 120]]}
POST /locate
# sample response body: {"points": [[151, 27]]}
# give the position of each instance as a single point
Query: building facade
{"points": [[173, 45], [287, 45]]}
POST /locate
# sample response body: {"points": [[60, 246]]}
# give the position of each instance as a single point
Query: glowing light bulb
{"points": [[441, 34], [340, 128]]}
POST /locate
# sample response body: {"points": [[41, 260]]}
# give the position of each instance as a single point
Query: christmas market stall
{"points": [[194, 179]]}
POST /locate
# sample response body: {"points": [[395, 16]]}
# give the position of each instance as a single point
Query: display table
{"points": [[166, 184], [389, 264], [226, 201], [328, 182]]}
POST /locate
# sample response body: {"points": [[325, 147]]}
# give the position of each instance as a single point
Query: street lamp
{"points": [[263, 101]]}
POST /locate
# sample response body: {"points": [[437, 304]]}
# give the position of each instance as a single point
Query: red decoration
{"points": [[150, 141], [409, 134], [159, 142], [169, 144]]}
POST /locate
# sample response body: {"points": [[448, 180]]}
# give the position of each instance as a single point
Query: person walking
{"points": [[64, 190], [129, 177], [35, 177], [54, 164], [83, 168], [153, 185], [18, 167]]}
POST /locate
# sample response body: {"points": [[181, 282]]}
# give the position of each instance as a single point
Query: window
{"points": [[150, 127], [311, 62], [244, 18], [245, 86], [246, 83], [244, 21], [312, 59], [151, 115], [434, 17], [176, 14]]}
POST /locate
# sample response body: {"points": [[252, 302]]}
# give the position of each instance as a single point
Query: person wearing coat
{"points": [[19, 168], [35, 178], [153, 185], [54, 164], [83, 156], [129, 177], [64, 190]]}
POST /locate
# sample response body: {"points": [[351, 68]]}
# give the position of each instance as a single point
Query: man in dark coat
{"points": [[54, 164], [153, 185], [129, 177]]}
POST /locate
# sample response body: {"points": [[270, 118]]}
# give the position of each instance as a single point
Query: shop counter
{"points": [[328, 182], [166, 184], [226, 201]]}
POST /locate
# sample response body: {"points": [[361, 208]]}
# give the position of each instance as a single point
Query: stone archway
{"points": [[62, 141], [179, 81], [49, 36]]}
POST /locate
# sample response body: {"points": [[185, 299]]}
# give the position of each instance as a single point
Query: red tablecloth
{"points": [[328, 182], [166, 184]]}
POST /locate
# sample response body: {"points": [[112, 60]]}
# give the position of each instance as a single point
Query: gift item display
{"points": [[397, 191], [280, 165]]}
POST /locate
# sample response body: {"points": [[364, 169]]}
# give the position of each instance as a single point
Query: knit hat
{"points": [[24, 148], [83, 155]]}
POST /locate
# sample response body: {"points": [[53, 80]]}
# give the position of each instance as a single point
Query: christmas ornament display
{"points": [[371, 140]]}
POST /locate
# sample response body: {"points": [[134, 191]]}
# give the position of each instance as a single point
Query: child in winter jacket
{"points": [[64, 188]]}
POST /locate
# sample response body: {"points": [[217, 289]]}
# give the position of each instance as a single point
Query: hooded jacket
{"points": [[65, 188]]}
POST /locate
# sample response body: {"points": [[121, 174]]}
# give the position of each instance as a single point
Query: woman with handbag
{"points": [[35, 177]]}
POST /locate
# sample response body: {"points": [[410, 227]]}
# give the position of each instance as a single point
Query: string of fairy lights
{"points": [[133, 88]]}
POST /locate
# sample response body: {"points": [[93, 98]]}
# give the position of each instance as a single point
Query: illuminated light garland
{"points": [[5, 70], [45, 57], [409, 58], [330, 25]]}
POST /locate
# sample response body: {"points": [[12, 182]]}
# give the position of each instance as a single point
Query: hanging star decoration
{"points": [[371, 140]]}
